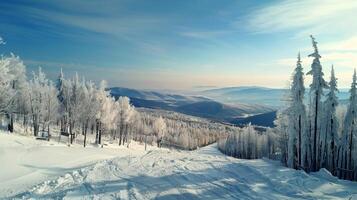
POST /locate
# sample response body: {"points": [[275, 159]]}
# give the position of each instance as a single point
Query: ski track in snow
{"points": [[200, 174]]}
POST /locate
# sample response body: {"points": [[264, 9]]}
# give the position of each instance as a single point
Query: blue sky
{"points": [[160, 44]]}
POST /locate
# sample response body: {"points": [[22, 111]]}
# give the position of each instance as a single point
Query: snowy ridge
{"points": [[201, 174]]}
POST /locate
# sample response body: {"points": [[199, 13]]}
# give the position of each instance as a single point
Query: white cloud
{"points": [[306, 16], [107, 24]]}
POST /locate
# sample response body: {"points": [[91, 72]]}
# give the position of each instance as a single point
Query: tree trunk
{"points": [[11, 127], [97, 132], [121, 133], [350, 151], [314, 163], [100, 133], [85, 138], [145, 141], [48, 131], [299, 151], [332, 149]]}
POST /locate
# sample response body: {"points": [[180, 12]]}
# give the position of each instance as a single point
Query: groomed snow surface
{"points": [[33, 169]]}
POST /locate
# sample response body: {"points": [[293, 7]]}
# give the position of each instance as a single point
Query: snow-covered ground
{"points": [[25, 161], [47, 170]]}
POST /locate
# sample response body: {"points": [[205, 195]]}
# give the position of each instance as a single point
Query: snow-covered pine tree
{"points": [[349, 134], [61, 98], [315, 111], [281, 123], [329, 132], [298, 154]]}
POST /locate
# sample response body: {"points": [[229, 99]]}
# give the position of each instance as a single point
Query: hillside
{"points": [[192, 105]]}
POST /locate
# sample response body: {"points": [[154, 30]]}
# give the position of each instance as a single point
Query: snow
{"points": [[25, 161], [33, 169]]}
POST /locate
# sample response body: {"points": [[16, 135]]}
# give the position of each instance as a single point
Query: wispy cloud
{"points": [[2, 41], [349, 44], [208, 34], [110, 23], [306, 16]]}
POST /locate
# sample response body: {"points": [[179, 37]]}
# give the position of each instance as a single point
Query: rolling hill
{"points": [[192, 105]]}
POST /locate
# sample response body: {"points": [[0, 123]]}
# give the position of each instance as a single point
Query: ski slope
{"points": [[132, 173]]}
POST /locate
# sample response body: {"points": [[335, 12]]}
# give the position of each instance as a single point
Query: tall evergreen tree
{"points": [[61, 96], [349, 133], [329, 134], [316, 92], [298, 140]]}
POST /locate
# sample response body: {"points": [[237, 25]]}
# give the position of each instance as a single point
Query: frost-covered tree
{"points": [[298, 146], [76, 105], [64, 96], [329, 133], [101, 97], [6, 94], [159, 127], [37, 98], [89, 109], [281, 123], [315, 111], [125, 117], [12, 81], [49, 112], [248, 143], [349, 135], [109, 111]]}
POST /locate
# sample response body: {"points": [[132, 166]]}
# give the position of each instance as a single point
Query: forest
{"points": [[71, 108]]}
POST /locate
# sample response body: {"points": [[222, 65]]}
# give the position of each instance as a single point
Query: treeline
{"points": [[183, 131], [249, 143]]}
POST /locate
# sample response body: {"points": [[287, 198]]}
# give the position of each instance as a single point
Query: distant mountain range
{"points": [[256, 95], [237, 105], [199, 106]]}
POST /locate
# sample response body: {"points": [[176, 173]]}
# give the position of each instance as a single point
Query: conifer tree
{"points": [[298, 140], [316, 93], [329, 134], [349, 133]]}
